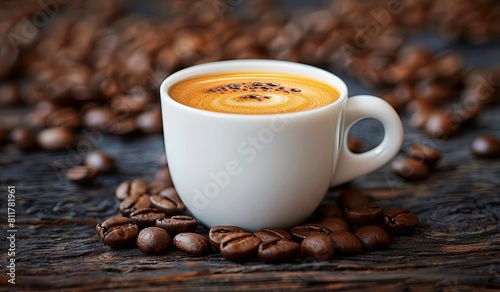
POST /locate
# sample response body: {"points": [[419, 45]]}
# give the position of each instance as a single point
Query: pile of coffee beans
{"points": [[154, 219], [94, 65]]}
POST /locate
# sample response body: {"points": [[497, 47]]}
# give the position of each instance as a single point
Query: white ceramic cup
{"points": [[269, 170]]}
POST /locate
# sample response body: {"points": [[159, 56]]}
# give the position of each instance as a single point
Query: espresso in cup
{"points": [[257, 143], [253, 93]]}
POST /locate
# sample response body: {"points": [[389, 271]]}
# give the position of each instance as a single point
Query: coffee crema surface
{"points": [[253, 93]]}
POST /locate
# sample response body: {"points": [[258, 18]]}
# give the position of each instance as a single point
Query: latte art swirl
{"points": [[253, 93]]}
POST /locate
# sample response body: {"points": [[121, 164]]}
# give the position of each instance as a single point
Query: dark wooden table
{"points": [[455, 248]]}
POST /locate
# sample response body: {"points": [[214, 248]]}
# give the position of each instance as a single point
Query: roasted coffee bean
{"points": [[354, 144], [153, 240], [56, 138], [414, 56], [486, 146], [302, 231], [433, 91], [81, 175], [156, 187], [163, 175], [410, 168], [123, 127], [134, 203], [428, 155], [9, 94], [172, 195], [100, 161], [372, 237], [351, 197], [128, 188], [266, 234], [217, 233], [364, 214], [99, 118], [400, 221], [346, 243], [129, 104], [149, 122], [168, 206], [328, 210], [442, 124], [335, 224], [419, 112], [239, 247], [146, 217], [24, 139], [317, 246], [64, 117], [277, 251], [117, 231], [163, 160], [192, 243], [448, 63], [178, 224]]}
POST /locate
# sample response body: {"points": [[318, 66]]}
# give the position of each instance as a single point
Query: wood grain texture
{"points": [[455, 248]]}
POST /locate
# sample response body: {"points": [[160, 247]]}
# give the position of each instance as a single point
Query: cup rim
{"points": [[261, 65]]}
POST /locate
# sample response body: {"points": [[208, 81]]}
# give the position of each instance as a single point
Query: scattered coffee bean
{"points": [[163, 175], [9, 94], [117, 231], [277, 251], [192, 243], [163, 160], [156, 187], [217, 233], [328, 210], [239, 247], [400, 221], [64, 117], [351, 197], [134, 203], [410, 168], [99, 118], [24, 139], [302, 231], [178, 224], [335, 224], [100, 161], [146, 217], [56, 139], [266, 234], [317, 246], [172, 195], [372, 237], [354, 144], [127, 188], [364, 214], [166, 205], [486, 146], [428, 155], [81, 175], [149, 122], [153, 240], [442, 124], [346, 243]]}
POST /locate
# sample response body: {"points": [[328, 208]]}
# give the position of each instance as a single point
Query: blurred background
{"points": [[97, 65]]}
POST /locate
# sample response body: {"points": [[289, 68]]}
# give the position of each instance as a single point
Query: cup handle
{"points": [[352, 165]]}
